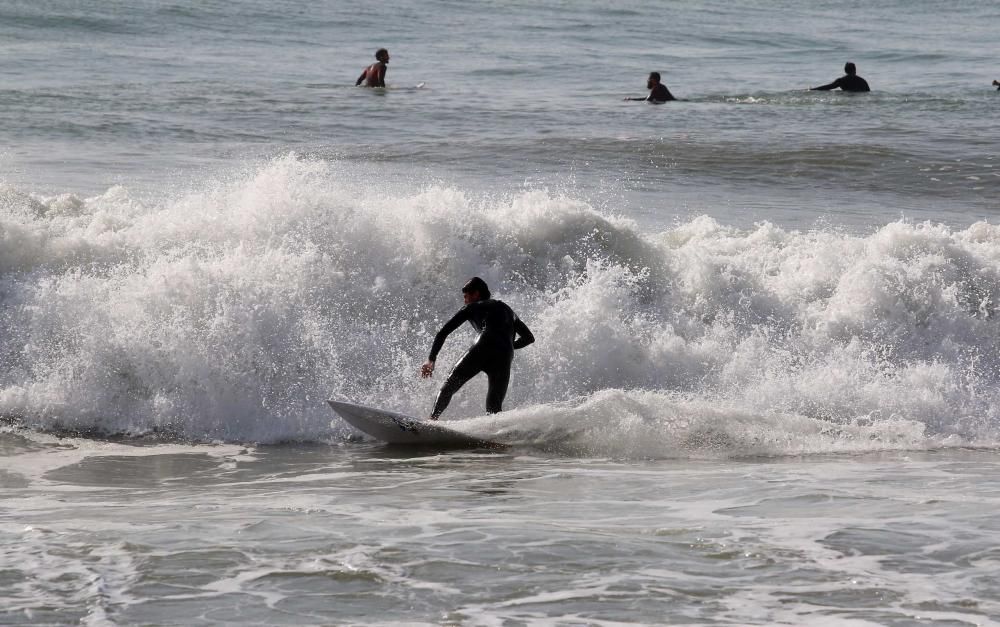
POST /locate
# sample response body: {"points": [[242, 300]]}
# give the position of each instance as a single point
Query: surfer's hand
{"points": [[427, 369]]}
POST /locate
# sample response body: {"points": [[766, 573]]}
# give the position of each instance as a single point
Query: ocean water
{"points": [[765, 383]]}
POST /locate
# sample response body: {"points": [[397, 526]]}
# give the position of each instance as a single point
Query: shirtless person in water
{"points": [[658, 92], [374, 74]]}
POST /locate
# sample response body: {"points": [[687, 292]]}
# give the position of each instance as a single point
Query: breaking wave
{"points": [[232, 312]]}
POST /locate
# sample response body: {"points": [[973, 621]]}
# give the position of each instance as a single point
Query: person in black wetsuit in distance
{"points": [[850, 81], [492, 353], [374, 74], [997, 85], [658, 92]]}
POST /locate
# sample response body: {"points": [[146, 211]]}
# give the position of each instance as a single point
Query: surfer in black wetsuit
{"points": [[849, 82], [492, 353], [658, 92], [997, 85]]}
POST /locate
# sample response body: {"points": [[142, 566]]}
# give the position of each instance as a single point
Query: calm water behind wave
{"points": [[149, 93]]}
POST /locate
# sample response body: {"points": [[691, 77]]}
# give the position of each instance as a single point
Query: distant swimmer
{"points": [[997, 85], [658, 92], [849, 82], [492, 353], [374, 74]]}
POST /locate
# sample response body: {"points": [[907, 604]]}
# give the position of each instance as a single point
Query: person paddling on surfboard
{"points": [[374, 74], [492, 353], [658, 92], [850, 81]]}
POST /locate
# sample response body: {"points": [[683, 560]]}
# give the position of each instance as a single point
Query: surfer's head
{"points": [[653, 80], [850, 69], [382, 55], [475, 289]]}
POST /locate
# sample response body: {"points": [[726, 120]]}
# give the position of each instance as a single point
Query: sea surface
{"points": [[766, 383]]}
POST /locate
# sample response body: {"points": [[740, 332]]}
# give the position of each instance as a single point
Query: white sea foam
{"points": [[234, 311]]}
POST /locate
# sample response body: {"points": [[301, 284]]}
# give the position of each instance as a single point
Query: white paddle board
{"points": [[396, 428]]}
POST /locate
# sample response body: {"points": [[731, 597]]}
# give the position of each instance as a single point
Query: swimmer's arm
{"points": [[524, 336], [835, 84], [364, 73]]}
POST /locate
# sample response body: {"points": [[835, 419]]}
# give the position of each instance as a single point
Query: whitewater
{"points": [[717, 424], [230, 313]]}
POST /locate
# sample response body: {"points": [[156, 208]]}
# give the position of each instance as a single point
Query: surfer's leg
{"points": [[466, 368], [499, 378]]}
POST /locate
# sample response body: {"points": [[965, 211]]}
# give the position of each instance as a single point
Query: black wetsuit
{"points": [[492, 353], [847, 82], [660, 93]]}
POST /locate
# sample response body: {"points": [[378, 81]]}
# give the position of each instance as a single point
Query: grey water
{"points": [[766, 387], [157, 93], [112, 534]]}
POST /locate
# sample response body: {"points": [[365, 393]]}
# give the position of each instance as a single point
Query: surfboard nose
{"points": [[396, 428]]}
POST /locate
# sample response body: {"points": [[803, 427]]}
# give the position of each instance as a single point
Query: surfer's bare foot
{"points": [[432, 418]]}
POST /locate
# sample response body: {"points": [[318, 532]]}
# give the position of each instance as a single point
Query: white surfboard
{"points": [[396, 428]]}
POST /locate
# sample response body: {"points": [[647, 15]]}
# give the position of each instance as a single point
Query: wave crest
{"points": [[233, 311]]}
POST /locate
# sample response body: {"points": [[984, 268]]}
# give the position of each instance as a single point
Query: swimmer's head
{"points": [[382, 55], [653, 80], [849, 68]]}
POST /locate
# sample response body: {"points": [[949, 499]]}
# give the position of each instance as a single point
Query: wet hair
{"points": [[850, 68], [380, 52], [476, 284], [655, 75]]}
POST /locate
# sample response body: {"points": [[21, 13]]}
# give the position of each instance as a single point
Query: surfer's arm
{"points": [[364, 73], [427, 369], [524, 336], [455, 322]]}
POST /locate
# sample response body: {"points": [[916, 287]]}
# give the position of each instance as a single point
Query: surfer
{"points": [[374, 74], [850, 81], [492, 353], [997, 85], [658, 92]]}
